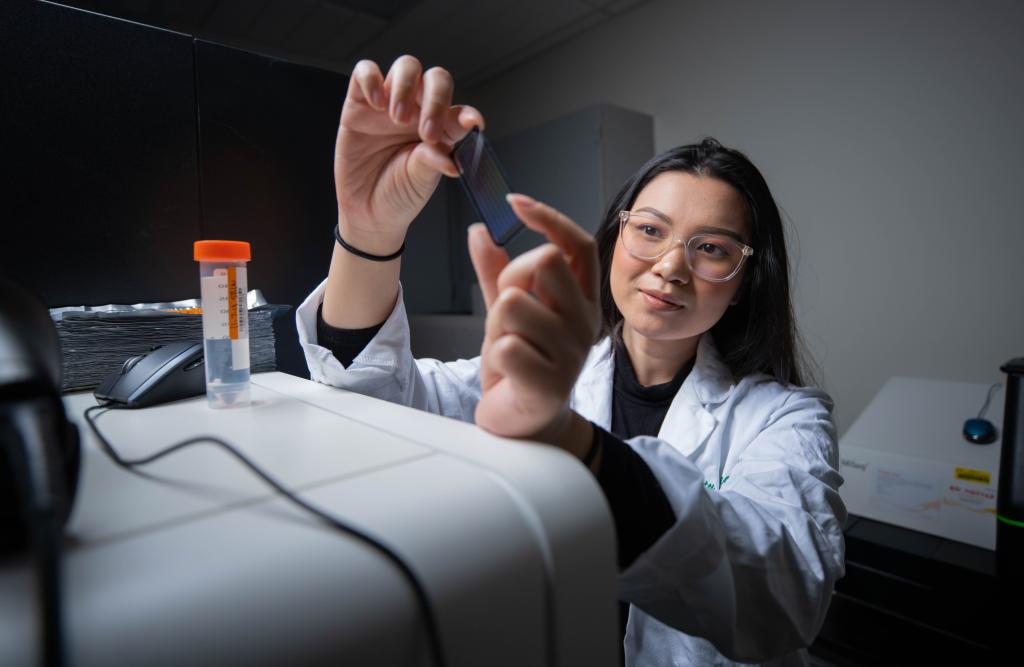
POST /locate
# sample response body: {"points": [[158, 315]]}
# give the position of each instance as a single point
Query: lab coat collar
{"points": [[711, 380], [709, 383]]}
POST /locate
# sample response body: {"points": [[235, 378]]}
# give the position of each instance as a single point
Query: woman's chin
{"points": [[653, 328]]}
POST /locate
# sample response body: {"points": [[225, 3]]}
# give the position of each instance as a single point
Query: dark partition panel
{"points": [[123, 143], [98, 148], [267, 131]]}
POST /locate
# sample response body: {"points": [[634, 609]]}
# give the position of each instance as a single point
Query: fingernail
{"points": [[428, 129], [478, 236], [400, 112], [377, 98], [523, 200]]}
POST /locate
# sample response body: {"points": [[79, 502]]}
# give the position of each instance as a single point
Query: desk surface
{"points": [[195, 560]]}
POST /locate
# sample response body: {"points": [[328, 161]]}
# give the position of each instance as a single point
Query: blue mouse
{"points": [[979, 431]]}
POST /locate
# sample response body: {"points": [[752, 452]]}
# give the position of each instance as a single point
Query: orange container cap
{"points": [[222, 251]]}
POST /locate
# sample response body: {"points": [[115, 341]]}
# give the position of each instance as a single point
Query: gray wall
{"points": [[890, 135], [426, 268]]}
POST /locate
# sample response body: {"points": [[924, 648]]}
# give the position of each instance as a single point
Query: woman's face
{"points": [[690, 203]]}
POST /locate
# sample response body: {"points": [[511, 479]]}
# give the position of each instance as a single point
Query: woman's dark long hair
{"points": [[759, 333]]}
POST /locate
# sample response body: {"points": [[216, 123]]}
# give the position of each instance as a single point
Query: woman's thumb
{"points": [[426, 164], [488, 260]]}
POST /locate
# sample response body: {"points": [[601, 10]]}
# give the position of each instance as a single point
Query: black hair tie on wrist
{"points": [[366, 255]]}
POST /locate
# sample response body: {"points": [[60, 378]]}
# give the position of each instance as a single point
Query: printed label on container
{"points": [[225, 316]]}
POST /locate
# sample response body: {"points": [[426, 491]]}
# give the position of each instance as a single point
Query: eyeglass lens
{"points": [[712, 256]]}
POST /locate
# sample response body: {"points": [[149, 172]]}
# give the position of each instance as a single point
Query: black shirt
{"points": [[640, 510]]}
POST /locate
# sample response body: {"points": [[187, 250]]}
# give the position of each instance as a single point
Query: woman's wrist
{"points": [[571, 432], [372, 241], [360, 293], [362, 253]]}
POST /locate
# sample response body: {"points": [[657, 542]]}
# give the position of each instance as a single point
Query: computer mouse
{"points": [[165, 373], [979, 431]]}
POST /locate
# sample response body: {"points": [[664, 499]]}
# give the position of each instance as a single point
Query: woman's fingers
{"points": [[438, 87], [489, 260], [459, 120], [577, 245], [544, 272], [541, 320], [410, 97], [367, 83], [516, 312], [515, 358], [401, 86], [434, 157]]}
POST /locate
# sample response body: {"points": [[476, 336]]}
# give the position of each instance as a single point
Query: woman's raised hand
{"points": [[393, 144], [542, 319]]}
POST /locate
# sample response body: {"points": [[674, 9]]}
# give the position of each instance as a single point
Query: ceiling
{"points": [[474, 39]]}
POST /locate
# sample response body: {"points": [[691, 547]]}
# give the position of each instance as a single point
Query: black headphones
{"points": [[40, 454]]}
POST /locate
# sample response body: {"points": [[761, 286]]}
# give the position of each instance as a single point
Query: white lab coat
{"points": [[746, 572]]}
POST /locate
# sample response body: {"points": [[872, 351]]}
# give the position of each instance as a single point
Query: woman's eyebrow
{"points": [[704, 228]]}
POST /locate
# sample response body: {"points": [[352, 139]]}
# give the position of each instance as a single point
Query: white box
{"points": [[905, 460]]}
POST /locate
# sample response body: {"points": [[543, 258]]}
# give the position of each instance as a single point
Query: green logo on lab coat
{"points": [[720, 483]]}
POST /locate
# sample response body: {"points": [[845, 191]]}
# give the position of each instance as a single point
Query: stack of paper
{"points": [[96, 341]]}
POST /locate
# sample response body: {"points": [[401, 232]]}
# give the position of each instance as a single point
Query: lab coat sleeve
{"points": [[751, 566], [386, 369]]}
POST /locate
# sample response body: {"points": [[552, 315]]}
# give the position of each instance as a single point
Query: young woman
{"points": [[662, 354]]}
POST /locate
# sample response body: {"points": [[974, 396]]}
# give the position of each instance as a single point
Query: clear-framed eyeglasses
{"points": [[713, 257]]}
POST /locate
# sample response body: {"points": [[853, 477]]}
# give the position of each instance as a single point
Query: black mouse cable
{"points": [[417, 586]]}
